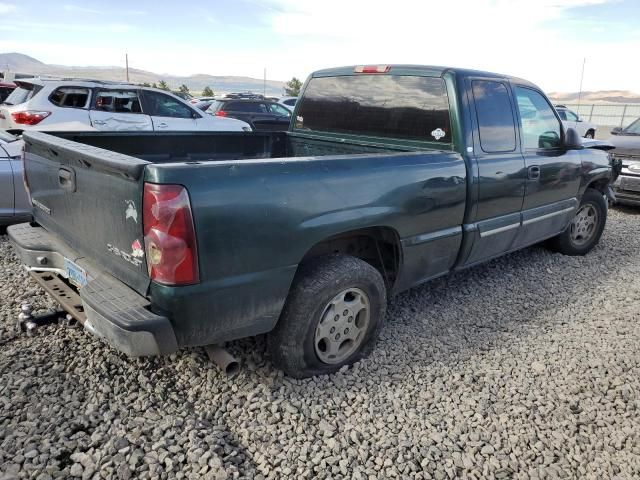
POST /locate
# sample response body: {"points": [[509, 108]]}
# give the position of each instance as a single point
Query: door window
{"points": [[70, 97], [562, 114], [278, 110], [161, 105], [496, 124], [540, 127], [117, 101], [572, 117]]}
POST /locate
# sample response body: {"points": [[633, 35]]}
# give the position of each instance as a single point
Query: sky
{"points": [[544, 41]]}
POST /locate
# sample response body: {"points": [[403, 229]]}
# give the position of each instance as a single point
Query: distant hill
{"points": [[602, 96], [20, 63]]}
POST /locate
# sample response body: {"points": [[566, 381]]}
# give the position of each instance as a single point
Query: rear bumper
{"points": [[113, 311]]}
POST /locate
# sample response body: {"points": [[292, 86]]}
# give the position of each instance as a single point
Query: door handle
{"points": [[534, 172], [67, 179], [99, 122], [162, 125]]}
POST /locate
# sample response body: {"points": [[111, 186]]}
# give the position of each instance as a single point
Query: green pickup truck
{"points": [[389, 176]]}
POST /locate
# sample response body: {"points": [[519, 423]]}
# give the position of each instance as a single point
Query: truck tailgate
{"points": [[91, 199]]}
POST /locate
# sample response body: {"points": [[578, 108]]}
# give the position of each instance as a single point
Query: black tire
{"points": [[292, 344], [566, 243], [590, 134]]}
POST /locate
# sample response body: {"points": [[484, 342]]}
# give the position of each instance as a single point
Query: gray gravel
{"points": [[526, 367]]}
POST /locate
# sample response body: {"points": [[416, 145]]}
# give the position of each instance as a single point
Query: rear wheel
{"points": [[586, 227], [590, 134], [332, 317]]}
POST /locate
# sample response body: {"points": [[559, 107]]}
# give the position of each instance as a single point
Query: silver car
{"points": [[14, 201]]}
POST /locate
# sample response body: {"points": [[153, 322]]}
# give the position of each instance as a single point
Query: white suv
{"points": [[106, 106], [571, 120]]}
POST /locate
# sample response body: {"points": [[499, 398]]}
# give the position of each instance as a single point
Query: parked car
{"points": [[260, 114], [14, 201], [193, 101], [244, 96], [571, 119], [626, 143], [106, 106], [390, 176], [203, 105], [5, 90], [289, 102]]}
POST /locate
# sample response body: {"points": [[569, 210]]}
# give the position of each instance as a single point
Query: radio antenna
{"points": [[584, 60]]}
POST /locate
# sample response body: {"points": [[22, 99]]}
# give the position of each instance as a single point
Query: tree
{"points": [[293, 86], [145, 84], [154, 85], [162, 85], [207, 92], [183, 89]]}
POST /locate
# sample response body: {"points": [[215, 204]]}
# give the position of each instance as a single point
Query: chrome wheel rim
{"points": [[583, 225], [342, 326]]}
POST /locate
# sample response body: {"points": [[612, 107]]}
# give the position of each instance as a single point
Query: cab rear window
{"points": [[406, 107]]}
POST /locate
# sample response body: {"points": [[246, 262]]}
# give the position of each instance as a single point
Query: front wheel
{"points": [[331, 318], [590, 134], [586, 227]]}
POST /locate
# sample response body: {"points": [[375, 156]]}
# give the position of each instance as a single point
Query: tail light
{"points": [[29, 117], [169, 235], [220, 113]]}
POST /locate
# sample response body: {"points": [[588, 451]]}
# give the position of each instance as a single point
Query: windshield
{"points": [[6, 136], [21, 94], [407, 107], [633, 128]]}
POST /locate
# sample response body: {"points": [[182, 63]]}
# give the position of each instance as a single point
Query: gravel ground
{"points": [[526, 367]]}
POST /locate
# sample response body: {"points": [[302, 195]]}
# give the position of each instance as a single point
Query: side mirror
{"points": [[616, 131], [195, 115], [572, 140]]}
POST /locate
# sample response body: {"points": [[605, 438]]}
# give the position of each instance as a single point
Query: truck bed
{"points": [[211, 146]]}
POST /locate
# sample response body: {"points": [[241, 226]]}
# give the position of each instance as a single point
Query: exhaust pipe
{"points": [[223, 359]]}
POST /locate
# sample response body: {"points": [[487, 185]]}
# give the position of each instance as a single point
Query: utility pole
{"points": [[126, 59], [264, 83], [581, 79]]}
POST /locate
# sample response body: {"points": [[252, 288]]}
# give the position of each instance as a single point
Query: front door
{"points": [[501, 172], [170, 114], [118, 110], [553, 172]]}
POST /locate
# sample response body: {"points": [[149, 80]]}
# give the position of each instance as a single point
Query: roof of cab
{"points": [[421, 70]]}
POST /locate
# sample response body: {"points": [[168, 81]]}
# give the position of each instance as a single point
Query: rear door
{"points": [[168, 113], [118, 110], [553, 172], [247, 111], [92, 199], [6, 185], [501, 174], [278, 119]]}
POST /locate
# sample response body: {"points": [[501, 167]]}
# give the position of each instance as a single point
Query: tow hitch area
{"points": [[27, 323]]}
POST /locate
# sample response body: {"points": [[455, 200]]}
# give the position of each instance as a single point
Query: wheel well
{"points": [[378, 246], [600, 185]]}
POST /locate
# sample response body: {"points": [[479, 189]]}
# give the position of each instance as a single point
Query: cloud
{"points": [[520, 37], [7, 8], [94, 11]]}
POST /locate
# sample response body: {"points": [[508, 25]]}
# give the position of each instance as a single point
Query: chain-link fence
{"points": [[607, 114]]}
